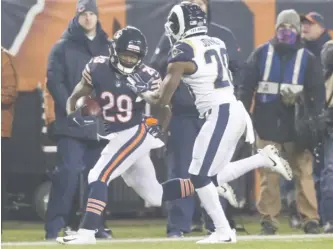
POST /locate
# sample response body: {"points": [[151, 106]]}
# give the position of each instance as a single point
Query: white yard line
{"points": [[286, 238]]}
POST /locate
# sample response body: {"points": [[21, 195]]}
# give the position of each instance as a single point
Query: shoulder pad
{"points": [[92, 65], [97, 61], [182, 52]]}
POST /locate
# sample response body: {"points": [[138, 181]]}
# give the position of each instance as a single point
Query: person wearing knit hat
{"points": [[77, 147], [288, 27], [276, 74], [314, 32], [289, 17], [314, 36], [87, 16], [86, 5]]}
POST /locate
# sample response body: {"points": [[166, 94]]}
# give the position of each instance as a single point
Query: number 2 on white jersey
{"points": [[224, 77]]}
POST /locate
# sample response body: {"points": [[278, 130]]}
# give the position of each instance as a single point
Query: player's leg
{"points": [[120, 153], [142, 178], [91, 158], [267, 157], [214, 148], [91, 155]]}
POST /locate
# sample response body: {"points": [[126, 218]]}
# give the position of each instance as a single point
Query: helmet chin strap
{"points": [[122, 69], [126, 70]]}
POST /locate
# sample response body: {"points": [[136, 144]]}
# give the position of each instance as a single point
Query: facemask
{"points": [[287, 36]]}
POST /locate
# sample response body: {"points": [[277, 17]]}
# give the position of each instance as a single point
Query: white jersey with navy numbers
{"points": [[211, 83]]}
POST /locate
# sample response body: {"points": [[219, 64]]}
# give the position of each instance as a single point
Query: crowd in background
{"points": [[288, 89]]}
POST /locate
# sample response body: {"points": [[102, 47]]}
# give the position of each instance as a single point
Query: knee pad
{"points": [[200, 181]]}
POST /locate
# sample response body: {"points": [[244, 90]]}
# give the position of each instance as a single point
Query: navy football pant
{"points": [[73, 157]]}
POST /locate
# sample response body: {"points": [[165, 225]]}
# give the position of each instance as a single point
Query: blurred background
{"points": [[29, 28]]}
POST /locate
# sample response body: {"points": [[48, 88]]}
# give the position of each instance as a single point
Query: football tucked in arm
{"points": [[89, 106]]}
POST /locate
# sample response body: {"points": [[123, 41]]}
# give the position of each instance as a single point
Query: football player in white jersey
{"points": [[202, 63]]}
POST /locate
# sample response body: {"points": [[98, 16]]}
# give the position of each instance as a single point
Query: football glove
{"points": [[153, 127], [76, 119], [155, 131], [137, 84]]}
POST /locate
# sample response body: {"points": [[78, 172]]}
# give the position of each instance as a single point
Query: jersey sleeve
{"points": [[91, 67], [181, 52], [146, 73]]}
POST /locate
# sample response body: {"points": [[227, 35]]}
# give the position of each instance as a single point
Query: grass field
{"points": [[142, 234]]}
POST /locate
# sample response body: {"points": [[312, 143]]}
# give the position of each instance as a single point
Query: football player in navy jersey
{"points": [[130, 138]]}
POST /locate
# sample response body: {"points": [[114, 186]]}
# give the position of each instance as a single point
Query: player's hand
{"points": [[76, 119], [153, 127], [151, 97], [156, 131], [137, 84]]}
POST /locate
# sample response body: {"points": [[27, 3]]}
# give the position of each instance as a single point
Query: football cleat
{"points": [[226, 191], [219, 238], [277, 163], [82, 237]]}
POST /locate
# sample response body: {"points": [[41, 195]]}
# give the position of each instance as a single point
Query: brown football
{"points": [[90, 106]]}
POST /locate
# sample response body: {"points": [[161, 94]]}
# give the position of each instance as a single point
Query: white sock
{"points": [[238, 168], [210, 200]]}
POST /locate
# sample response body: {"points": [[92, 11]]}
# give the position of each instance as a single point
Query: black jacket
{"points": [[316, 45], [182, 101], [274, 121], [66, 62], [327, 60]]}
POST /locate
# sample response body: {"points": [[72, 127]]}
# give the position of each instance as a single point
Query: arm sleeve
{"points": [[159, 60], [92, 66], [314, 87], [86, 73], [249, 78], [56, 77]]}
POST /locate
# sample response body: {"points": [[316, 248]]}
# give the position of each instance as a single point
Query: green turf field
{"points": [[128, 235]]}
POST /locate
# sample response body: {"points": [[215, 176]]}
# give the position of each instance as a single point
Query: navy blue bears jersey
{"points": [[122, 108]]}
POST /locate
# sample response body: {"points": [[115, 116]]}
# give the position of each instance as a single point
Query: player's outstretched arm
{"points": [[164, 116], [83, 88], [171, 81]]}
